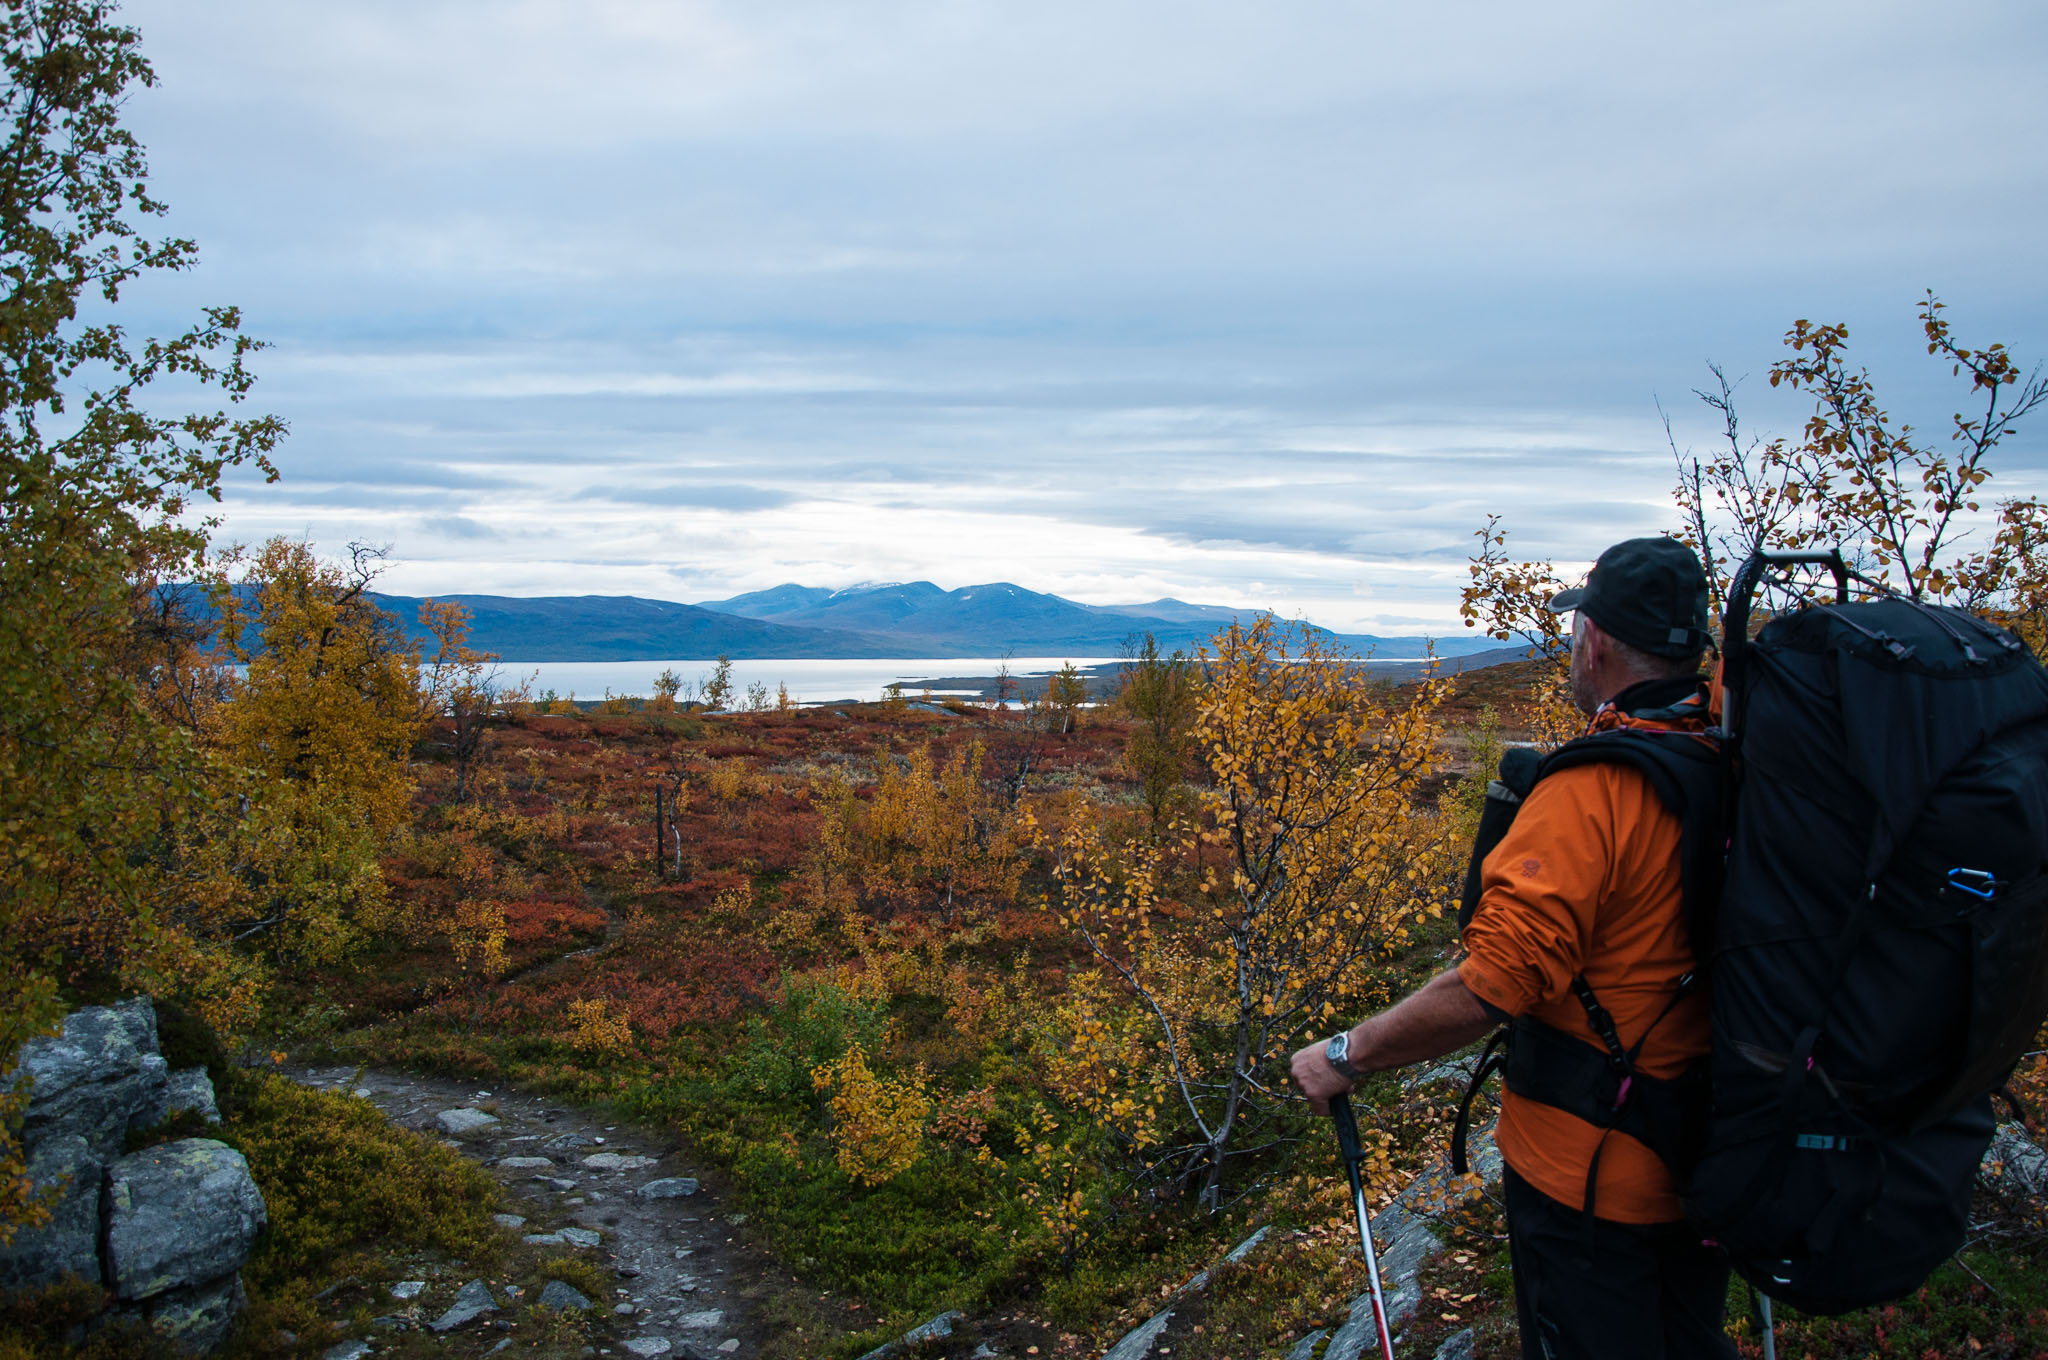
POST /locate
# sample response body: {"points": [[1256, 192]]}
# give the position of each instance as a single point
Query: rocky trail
{"points": [[687, 1282]]}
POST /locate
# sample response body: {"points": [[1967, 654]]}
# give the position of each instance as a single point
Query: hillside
{"points": [[986, 620]]}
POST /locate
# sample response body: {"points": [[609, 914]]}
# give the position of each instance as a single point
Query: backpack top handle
{"points": [[1735, 621]]}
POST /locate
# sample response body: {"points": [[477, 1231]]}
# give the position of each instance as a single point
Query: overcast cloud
{"points": [[1249, 305]]}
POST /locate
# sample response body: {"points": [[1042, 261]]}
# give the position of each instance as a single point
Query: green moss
{"points": [[334, 1175]]}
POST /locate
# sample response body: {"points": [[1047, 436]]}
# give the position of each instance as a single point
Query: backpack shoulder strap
{"points": [[1686, 771]]}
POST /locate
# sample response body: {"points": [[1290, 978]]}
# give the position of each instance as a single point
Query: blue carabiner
{"points": [[1979, 883]]}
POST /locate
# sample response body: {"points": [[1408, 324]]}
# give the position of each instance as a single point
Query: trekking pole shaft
{"points": [[1763, 1303], [1347, 1142]]}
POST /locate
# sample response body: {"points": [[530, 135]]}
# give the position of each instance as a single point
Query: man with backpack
{"points": [[1580, 939]]}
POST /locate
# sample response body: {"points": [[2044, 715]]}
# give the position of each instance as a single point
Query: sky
{"points": [[1252, 305]]}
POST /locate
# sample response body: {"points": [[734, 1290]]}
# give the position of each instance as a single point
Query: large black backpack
{"points": [[1876, 938], [1880, 950]]}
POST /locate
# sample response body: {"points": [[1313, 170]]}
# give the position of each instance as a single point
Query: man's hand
{"points": [[1316, 1078], [1439, 1018]]}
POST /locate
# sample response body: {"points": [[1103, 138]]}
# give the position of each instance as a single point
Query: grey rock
{"points": [[98, 1079], [1458, 1072], [553, 1239], [408, 1289], [1305, 1349], [624, 1309], [701, 1322], [525, 1163], [937, 1329], [1244, 1248], [155, 1081], [192, 1090], [474, 1300], [582, 1237], [177, 1215], [1358, 1334], [464, 1122], [196, 1319], [509, 1220], [1459, 1346], [1137, 1342], [669, 1187], [137, 1015], [617, 1161], [647, 1345], [69, 1244], [348, 1350], [556, 1183], [2015, 1163], [563, 1298]]}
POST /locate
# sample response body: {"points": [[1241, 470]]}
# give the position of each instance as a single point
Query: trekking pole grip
{"points": [[1347, 1128]]}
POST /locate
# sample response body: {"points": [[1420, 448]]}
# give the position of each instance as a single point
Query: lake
{"points": [[809, 681]]}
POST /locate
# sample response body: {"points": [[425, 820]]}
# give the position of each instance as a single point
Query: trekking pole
{"points": [[1763, 1303], [1347, 1142]]}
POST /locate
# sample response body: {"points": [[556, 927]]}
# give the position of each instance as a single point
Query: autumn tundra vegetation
{"points": [[969, 1006]]}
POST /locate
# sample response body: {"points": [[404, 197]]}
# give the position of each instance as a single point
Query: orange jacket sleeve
{"points": [[1541, 890]]}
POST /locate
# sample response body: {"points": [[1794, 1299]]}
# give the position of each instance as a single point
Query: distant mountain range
{"points": [[917, 619]]}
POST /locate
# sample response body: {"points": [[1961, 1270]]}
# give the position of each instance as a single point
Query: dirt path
{"points": [[687, 1283]]}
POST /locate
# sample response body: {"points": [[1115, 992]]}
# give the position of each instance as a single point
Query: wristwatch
{"points": [[1338, 1052]]}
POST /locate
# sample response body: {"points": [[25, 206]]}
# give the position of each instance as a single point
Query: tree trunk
{"points": [[660, 840]]}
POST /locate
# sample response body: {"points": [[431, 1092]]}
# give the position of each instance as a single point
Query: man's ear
{"points": [[1594, 644]]}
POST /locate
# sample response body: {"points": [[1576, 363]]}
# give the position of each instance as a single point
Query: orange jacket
{"points": [[1586, 882]]}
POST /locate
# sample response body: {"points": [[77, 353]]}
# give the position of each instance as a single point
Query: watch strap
{"points": [[1338, 1053]]}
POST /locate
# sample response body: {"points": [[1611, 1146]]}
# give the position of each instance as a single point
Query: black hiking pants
{"points": [[1621, 1292]]}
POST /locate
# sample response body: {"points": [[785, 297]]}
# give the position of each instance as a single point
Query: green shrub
{"points": [[334, 1174], [185, 1040], [814, 1024]]}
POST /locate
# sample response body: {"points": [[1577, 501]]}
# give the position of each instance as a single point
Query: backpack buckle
{"points": [[1979, 883]]}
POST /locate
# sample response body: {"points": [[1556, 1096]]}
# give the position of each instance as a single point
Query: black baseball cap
{"points": [[1649, 593]]}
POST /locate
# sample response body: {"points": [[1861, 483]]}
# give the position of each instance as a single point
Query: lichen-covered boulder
{"points": [[196, 1319], [179, 1215], [192, 1090], [69, 1244], [97, 1080]]}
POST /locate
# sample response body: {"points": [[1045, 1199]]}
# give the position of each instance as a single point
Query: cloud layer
{"points": [[1251, 306]]}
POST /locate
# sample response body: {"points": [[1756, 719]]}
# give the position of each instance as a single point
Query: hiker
{"points": [[1581, 917]]}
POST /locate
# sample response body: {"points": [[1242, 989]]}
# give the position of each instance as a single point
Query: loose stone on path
{"points": [[472, 1303], [563, 1298], [669, 1187], [462, 1123]]}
